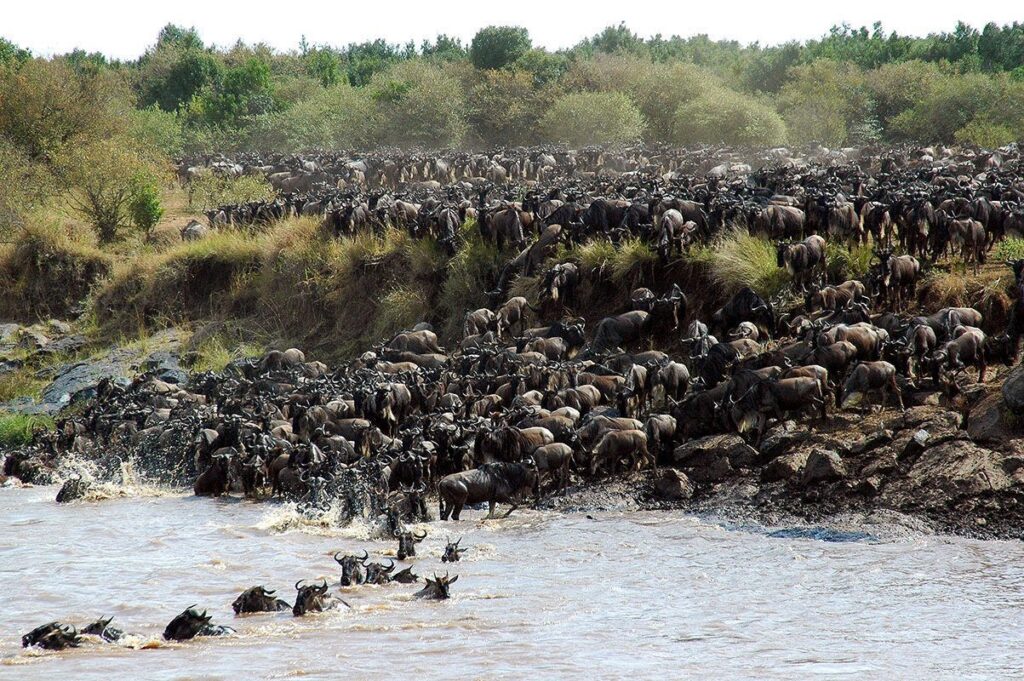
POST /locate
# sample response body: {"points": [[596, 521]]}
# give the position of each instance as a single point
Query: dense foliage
{"points": [[852, 86]]}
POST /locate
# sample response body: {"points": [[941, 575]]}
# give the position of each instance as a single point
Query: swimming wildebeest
{"points": [[51, 636], [258, 599], [452, 552], [314, 598], [102, 628], [436, 588], [499, 482], [192, 623], [407, 542], [352, 568]]}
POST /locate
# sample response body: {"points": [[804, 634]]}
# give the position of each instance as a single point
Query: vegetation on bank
{"points": [[16, 429]]}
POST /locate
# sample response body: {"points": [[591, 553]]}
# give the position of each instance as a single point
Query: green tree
{"points": [[338, 117], [421, 104], [103, 177], [505, 106], [154, 128], [584, 118], [46, 106], [723, 116], [444, 48], [323, 64], [12, 54], [495, 47], [823, 101], [171, 76]]}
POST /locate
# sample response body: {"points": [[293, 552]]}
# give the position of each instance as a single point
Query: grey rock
{"points": [[1013, 390], [673, 485], [784, 467], [823, 465]]}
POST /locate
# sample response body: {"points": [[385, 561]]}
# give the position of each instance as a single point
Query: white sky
{"points": [[124, 29]]}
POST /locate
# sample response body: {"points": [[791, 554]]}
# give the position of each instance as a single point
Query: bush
{"points": [[495, 47], [145, 207], [421, 104], [104, 177], [727, 117], [156, 129], [986, 133], [586, 118], [1011, 248], [338, 117], [823, 100]]}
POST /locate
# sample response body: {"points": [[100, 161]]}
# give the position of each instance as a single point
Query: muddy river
{"points": [[539, 595]]}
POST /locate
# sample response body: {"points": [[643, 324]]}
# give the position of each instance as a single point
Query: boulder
{"points": [[823, 465], [673, 485], [784, 467], [1013, 390], [871, 441], [731, 446], [944, 474], [781, 439], [987, 422]]}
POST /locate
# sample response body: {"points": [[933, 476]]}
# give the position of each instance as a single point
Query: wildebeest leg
{"points": [[490, 510], [511, 508]]}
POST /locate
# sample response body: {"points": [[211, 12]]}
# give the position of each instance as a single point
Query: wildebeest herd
{"points": [[309, 598], [512, 408]]}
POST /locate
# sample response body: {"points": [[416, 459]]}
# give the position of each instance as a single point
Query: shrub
{"points": [[421, 104], [592, 118], [1011, 248], [724, 116], [338, 117], [145, 207], [157, 129], [822, 100]]}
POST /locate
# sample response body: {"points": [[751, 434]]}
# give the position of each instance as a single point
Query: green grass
{"points": [[1011, 248], [20, 383], [843, 263], [743, 260], [16, 429]]}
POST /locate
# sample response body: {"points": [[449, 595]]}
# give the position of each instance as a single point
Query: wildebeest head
{"points": [[258, 599], [102, 628], [406, 576], [351, 568], [437, 588], [311, 598], [192, 623], [377, 573], [51, 636], [407, 541], [452, 552]]}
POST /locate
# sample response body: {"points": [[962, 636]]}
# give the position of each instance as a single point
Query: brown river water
{"points": [[540, 595]]}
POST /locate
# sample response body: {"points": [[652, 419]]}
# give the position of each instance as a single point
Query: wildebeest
{"points": [[102, 628], [407, 541], [52, 636], [869, 377], [258, 599], [498, 482], [802, 260], [616, 445], [436, 588], [314, 598], [191, 623], [744, 306], [351, 568], [452, 552], [554, 459]]}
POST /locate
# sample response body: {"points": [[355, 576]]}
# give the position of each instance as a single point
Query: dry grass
{"points": [[953, 285], [48, 272], [741, 260]]}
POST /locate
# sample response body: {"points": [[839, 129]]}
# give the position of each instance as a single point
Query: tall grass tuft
{"points": [[741, 259], [16, 429]]}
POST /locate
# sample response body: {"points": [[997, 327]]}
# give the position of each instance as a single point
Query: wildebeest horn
{"points": [[390, 567], [421, 536], [365, 557], [336, 557], [297, 587]]}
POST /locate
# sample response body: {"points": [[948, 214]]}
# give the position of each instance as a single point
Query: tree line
{"points": [[64, 118]]}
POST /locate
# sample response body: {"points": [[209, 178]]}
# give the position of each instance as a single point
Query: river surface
{"points": [[539, 595]]}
